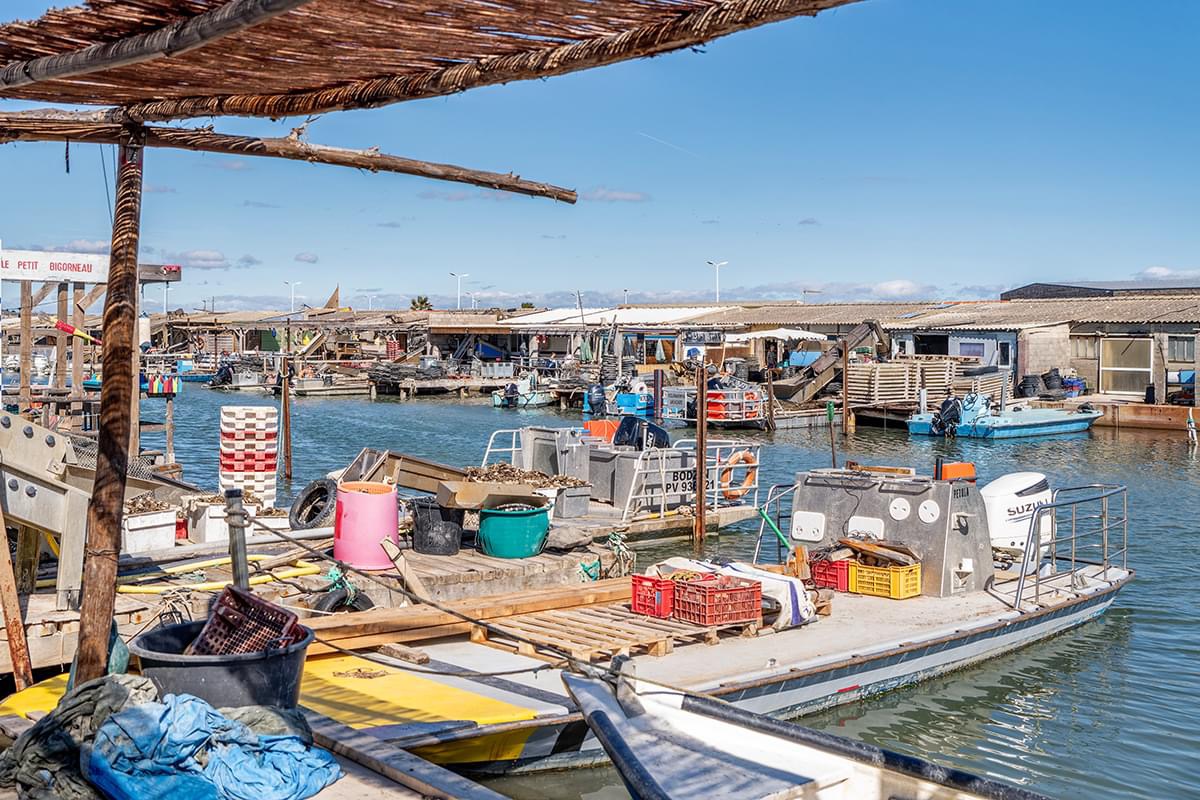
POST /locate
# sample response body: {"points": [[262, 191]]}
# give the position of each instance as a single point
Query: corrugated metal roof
{"points": [[1142, 285], [803, 315], [622, 315]]}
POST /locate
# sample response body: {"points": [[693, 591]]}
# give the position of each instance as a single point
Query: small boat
{"points": [[976, 416], [238, 379], [96, 381], [673, 745], [328, 386], [523, 394]]}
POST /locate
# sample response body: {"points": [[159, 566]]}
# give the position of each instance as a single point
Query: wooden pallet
{"points": [[599, 633]]}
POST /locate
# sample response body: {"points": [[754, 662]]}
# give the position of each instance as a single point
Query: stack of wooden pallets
{"points": [[900, 382]]}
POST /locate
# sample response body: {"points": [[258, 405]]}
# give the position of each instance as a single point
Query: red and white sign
{"points": [[36, 265]]}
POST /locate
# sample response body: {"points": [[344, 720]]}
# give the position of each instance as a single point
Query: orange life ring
{"points": [[740, 457]]}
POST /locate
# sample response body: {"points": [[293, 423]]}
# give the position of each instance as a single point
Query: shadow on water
{"points": [[1106, 710]]}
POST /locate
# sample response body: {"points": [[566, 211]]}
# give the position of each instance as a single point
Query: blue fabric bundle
{"points": [[184, 749]]}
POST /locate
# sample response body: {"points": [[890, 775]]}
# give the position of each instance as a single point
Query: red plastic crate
{"points": [[721, 601], [654, 597], [831, 574]]}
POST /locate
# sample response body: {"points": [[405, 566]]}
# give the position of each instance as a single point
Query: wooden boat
{"points": [[329, 386], [525, 393], [674, 745], [977, 418]]}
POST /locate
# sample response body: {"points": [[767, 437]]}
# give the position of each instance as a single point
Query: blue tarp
{"points": [[184, 749]]}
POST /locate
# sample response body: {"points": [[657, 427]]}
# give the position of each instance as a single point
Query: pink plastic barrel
{"points": [[366, 515]]}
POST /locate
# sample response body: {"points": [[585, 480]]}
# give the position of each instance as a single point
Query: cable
{"points": [[107, 193]]}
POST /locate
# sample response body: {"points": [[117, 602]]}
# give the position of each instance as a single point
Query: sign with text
{"points": [[702, 338], [160, 273], [37, 265]]}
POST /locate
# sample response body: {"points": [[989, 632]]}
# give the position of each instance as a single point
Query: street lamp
{"points": [[460, 279], [717, 266], [804, 293], [370, 302], [292, 285], [626, 300], [474, 302]]}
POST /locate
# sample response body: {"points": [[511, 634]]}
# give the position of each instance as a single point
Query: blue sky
{"points": [[886, 150]]}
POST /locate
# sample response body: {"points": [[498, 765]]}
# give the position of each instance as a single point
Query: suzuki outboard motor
{"points": [[510, 395], [596, 400], [1010, 501]]}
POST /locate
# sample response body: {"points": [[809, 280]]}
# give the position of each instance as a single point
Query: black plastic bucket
{"points": [[269, 678]]}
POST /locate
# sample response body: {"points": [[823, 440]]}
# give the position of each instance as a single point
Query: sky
{"points": [[887, 150]]}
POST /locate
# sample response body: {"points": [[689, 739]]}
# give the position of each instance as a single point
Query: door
{"points": [[1126, 365]]}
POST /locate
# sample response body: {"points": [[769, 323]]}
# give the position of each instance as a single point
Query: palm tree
{"points": [[420, 303]]}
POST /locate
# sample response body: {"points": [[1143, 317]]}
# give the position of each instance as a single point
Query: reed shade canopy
{"points": [[274, 58]]}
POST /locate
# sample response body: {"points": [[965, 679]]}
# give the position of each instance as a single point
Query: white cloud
{"points": [[900, 288], [203, 259], [94, 246], [602, 194], [307, 258], [1167, 274]]}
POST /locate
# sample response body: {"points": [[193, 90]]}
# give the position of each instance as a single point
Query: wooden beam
{"points": [[178, 37], [14, 622], [77, 356], [25, 392], [106, 506], [94, 294], [60, 342], [53, 126], [42, 293]]}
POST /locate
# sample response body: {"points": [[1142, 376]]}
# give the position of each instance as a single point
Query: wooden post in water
{"points": [[286, 408], [25, 398], [169, 424], [770, 399], [77, 358], [14, 623], [701, 457], [846, 425], [118, 397], [60, 340]]}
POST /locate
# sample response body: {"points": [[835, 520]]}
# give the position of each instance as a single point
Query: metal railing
{"points": [[727, 483], [775, 497], [493, 448], [1093, 525]]}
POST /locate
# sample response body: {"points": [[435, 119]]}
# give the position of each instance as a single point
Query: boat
{"points": [[738, 405], [231, 378], [967, 603], [977, 417], [525, 393], [96, 381], [669, 744], [328, 385]]}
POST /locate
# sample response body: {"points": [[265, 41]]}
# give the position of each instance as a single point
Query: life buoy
{"points": [[740, 457]]}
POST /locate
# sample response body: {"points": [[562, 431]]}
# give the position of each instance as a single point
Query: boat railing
{"points": [[730, 480], [499, 447], [1088, 526], [773, 508]]}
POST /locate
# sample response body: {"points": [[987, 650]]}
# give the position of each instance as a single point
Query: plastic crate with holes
{"points": [[831, 574], [653, 597], [897, 583], [718, 600], [244, 623]]}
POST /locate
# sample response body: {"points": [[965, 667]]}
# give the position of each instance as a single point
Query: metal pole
{"points": [[286, 410], [701, 457], [235, 517], [118, 393]]}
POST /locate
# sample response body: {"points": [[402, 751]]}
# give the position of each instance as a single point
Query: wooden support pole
{"points": [[26, 390], [701, 457], [135, 365], [106, 507], [29, 545], [14, 621], [285, 411], [845, 386], [169, 424], [60, 342], [77, 319], [770, 399]]}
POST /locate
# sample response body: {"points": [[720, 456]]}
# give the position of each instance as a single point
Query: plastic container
{"points": [[831, 574], [366, 515], [718, 601], [505, 533], [438, 538], [143, 533], [898, 583], [266, 678], [654, 597]]}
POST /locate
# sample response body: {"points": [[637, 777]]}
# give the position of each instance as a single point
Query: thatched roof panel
{"points": [[327, 54]]}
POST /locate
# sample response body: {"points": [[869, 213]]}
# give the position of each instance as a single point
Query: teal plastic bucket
{"points": [[513, 534]]}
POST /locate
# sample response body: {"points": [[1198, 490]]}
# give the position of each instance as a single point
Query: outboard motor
{"points": [[1010, 501], [639, 434], [510, 395], [596, 400], [223, 377], [945, 419]]}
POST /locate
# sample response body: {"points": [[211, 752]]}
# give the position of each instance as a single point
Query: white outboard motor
{"points": [[1010, 501]]}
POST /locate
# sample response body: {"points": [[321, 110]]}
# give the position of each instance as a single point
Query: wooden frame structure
{"points": [[158, 60]]}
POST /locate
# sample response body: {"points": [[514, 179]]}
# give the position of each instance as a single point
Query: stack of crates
{"points": [[250, 450]]}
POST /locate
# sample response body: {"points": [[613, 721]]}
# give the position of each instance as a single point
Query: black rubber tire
{"points": [[314, 506], [335, 600]]}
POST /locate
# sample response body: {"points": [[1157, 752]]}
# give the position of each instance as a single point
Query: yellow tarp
{"points": [[42, 696]]}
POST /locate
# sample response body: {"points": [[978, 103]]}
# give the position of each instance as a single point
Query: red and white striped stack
{"points": [[250, 450]]}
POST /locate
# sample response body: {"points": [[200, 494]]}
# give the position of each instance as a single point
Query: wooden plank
{"points": [[14, 623], [29, 543], [390, 761], [410, 654]]}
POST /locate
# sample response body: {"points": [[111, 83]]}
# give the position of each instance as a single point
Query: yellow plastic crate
{"points": [[894, 582]]}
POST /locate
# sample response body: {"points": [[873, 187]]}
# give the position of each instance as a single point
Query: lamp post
{"points": [[370, 302], [716, 265], [460, 277], [804, 293], [626, 300], [292, 285]]}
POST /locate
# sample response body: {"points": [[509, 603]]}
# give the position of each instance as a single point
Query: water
{"points": [[1107, 710]]}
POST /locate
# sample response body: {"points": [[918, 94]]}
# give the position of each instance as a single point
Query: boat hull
{"points": [[569, 744], [1009, 427], [529, 400]]}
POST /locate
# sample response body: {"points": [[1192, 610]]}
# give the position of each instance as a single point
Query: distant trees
{"points": [[527, 305], [420, 303]]}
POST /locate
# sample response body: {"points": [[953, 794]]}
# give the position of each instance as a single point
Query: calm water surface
{"points": [[1109, 710]]}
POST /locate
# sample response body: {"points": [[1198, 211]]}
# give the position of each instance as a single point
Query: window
{"points": [[972, 349], [1083, 346], [1181, 348], [1126, 365], [1004, 357]]}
